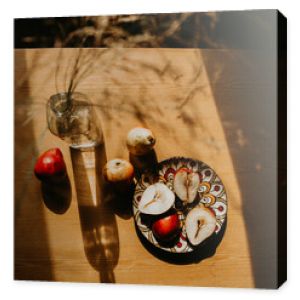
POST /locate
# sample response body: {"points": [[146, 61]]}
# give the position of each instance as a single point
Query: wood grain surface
{"points": [[167, 90]]}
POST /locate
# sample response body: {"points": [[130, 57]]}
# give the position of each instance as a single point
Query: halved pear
{"points": [[156, 199], [200, 224], [186, 184]]}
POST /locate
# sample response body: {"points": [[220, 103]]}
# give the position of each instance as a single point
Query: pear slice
{"points": [[200, 224], [186, 184], [156, 199]]}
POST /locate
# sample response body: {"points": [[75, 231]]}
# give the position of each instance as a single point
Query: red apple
{"points": [[166, 228], [50, 166]]}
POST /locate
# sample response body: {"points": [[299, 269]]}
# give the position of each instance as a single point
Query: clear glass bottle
{"points": [[71, 117]]}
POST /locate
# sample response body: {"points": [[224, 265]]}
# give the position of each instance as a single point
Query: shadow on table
{"points": [[203, 251], [245, 95], [142, 163], [121, 201], [32, 257], [98, 222], [57, 196]]}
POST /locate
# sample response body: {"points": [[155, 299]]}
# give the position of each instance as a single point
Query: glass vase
{"points": [[71, 117]]}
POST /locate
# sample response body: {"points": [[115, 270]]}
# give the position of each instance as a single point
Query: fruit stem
{"points": [[187, 187], [199, 226], [156, 196]]}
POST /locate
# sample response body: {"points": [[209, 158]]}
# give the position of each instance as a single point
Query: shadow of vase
{"points": [[98, 222]]}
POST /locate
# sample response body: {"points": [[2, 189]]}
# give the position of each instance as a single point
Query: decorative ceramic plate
{"points": [[211, 192]]}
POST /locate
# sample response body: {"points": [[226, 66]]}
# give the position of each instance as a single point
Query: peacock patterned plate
{"points": [[211, 192]]}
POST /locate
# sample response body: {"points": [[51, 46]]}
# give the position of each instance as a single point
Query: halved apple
{"points": [[200, 224], [186, 184], [156, 199]]}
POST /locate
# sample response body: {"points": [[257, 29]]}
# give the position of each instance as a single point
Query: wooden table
{"points": [[167, 90]]}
